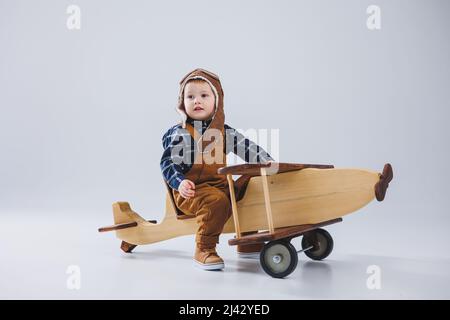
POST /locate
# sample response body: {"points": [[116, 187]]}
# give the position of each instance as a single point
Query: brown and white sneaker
{"points": [[249, 251], [208, 259]]}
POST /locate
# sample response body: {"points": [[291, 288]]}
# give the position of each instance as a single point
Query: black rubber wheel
{"points": [[324, 240], [278, 258]]}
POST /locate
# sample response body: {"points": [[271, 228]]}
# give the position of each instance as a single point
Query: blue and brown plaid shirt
{"points": [[175, 164]]}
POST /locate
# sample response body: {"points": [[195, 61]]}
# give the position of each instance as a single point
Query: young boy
{"points": [[188, 169]]}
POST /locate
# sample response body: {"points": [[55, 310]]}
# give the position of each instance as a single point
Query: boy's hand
{"points": [[186, 188]]}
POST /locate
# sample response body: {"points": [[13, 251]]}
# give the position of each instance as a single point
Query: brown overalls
{"points": [[211, 202]]}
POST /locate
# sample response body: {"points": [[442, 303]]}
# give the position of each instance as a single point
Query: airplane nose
{"points": [[382, 185]]}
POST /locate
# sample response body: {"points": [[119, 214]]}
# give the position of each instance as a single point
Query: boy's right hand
{"points": [[186, 188]]}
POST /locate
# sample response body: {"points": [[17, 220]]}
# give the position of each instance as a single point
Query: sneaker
{"points": [[249, 251], [208, 259]]}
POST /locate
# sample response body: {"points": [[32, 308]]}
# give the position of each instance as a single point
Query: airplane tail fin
{"points": [[124, 218]]}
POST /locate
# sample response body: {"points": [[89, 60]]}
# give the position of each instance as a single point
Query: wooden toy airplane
{"points": [[280, 201]]}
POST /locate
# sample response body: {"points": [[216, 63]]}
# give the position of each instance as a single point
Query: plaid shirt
{"points": [[175, 164]]}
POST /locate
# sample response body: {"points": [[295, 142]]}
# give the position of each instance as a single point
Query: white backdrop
{"points": [[83, 111]]}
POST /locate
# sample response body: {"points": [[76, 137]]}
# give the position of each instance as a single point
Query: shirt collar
{"points": [[205, 123]]}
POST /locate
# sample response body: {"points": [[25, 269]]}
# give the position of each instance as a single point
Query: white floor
{"points": [[37, 253]]}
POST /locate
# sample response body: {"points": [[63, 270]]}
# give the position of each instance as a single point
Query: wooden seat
{"points": [[240, 186]]}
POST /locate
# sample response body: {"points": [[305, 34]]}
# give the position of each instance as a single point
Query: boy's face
{"points": [[199, 100]]}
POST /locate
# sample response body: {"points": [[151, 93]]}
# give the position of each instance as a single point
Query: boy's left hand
{"points": [[187, 188]]}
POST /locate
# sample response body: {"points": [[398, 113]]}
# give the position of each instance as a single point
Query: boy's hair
{"points": [[197, 81], [201, 81]]}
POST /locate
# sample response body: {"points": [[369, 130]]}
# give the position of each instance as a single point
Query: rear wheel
{"points": [[320, 241]]}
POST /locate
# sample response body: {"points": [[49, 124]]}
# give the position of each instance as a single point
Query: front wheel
{"points": [[278, 258]]}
